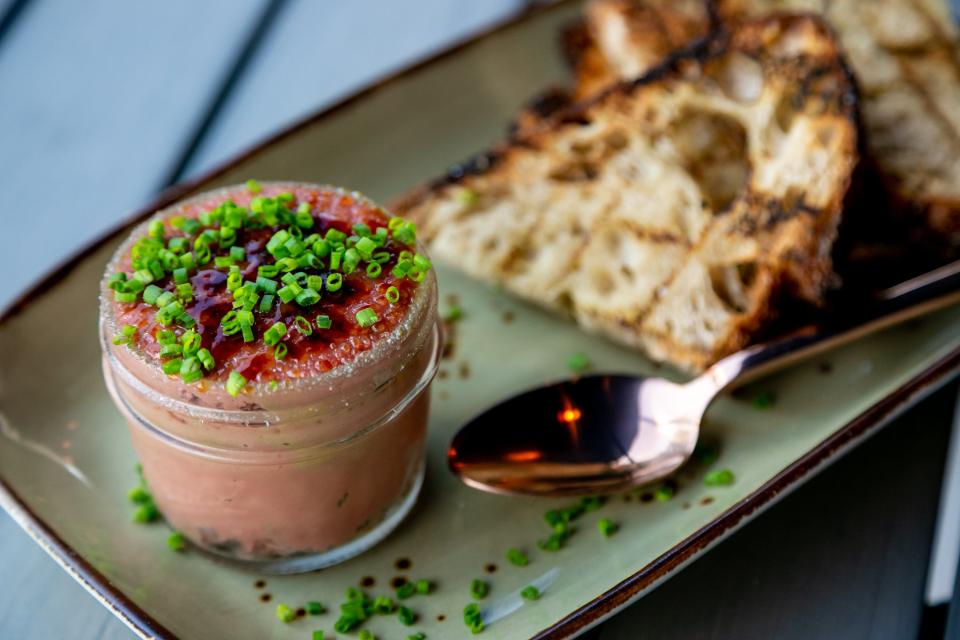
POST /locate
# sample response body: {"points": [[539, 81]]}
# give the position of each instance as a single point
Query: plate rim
{"points": [[843, 439]]}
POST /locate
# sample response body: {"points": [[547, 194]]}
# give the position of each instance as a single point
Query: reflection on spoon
{"points": [[11, 434]]}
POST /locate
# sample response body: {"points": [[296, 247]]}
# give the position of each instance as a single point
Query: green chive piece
{"points": [[592, 503], [235, 382], [578, 363], [383, 605], [346, 623], [665, 492], [324, 322], [190, 370], [238, 253], [530, 592], [453, 314], [274, 334], [517, 557], [266, 303], [317, 635], [139, 495], [156, 229], [253, 186], [719, 478], [280, 351], [374, 269], [367, 317], [423, 587], [206, 359], [308, 297], [172, 367], [285, 614], [406, 616], [473, 618], [303, 325], [392, 295], [406, 590], [419, 635], [763, 400], [479, 589], [146, 513], [176, 541], [315, 608], [334, 282], [366, 634], [286, 294], [607, 527]]}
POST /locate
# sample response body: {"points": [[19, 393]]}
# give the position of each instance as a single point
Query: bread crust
{"points": [[673, 212]]}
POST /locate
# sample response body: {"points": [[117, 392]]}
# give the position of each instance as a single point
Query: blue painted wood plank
{"points": [[321, 51], [98, 98]]}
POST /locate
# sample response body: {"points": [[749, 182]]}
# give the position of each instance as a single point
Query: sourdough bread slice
{"points": [[674, 212], [906, 57]]}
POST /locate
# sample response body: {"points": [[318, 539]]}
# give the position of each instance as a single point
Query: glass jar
{"points": [[285, 477]]}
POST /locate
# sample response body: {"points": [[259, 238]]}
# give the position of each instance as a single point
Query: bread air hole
{"points": [[732, 284], [713, 150], [741, 78]]}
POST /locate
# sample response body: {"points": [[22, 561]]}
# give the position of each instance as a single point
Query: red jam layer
{"points": [[307, 355]]}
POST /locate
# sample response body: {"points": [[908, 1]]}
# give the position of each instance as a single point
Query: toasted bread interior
{"points": [[671, 213]]}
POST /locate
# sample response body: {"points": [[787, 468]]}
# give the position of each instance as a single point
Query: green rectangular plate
{"points": [[66, 461]]}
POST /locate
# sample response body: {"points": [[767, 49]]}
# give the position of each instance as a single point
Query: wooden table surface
{"points": [[104, 103]]}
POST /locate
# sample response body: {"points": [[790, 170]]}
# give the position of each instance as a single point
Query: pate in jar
{"points": [[271, 348]]}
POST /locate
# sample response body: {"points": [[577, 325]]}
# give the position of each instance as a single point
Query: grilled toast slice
{"points": [[676, 212], [906, 57]]}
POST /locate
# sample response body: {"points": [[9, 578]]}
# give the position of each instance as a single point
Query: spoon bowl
{"points": [[606, 433]]}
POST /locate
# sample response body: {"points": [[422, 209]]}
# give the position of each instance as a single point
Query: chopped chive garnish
{"points": [[235, 382], [367, 317], [473, 618], [763, 400], [453, 314], [406, 590], [253, 186], [280, 351], [607, 527], [383, 605], [156, 229], [317, 635], [374, 269], [146, 513], [578, 363], [315, 608], [366, 634], [139, 495], [423, 587], [285, 614], [308, 297], [206, 359], [530, 592], [392, 295], [303, 325], [665, 492], [324, 322], [275, 333], [479, 589], [719, 478], [419, 635], [176, 541], [172, 367], [334, 282], [266, 303], [517, 557], [406, 616]]}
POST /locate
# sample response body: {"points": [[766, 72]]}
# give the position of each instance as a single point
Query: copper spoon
{"points": [[606, 433]]}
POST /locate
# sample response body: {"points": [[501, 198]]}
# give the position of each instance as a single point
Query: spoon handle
{"points": [[911, 299]]}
